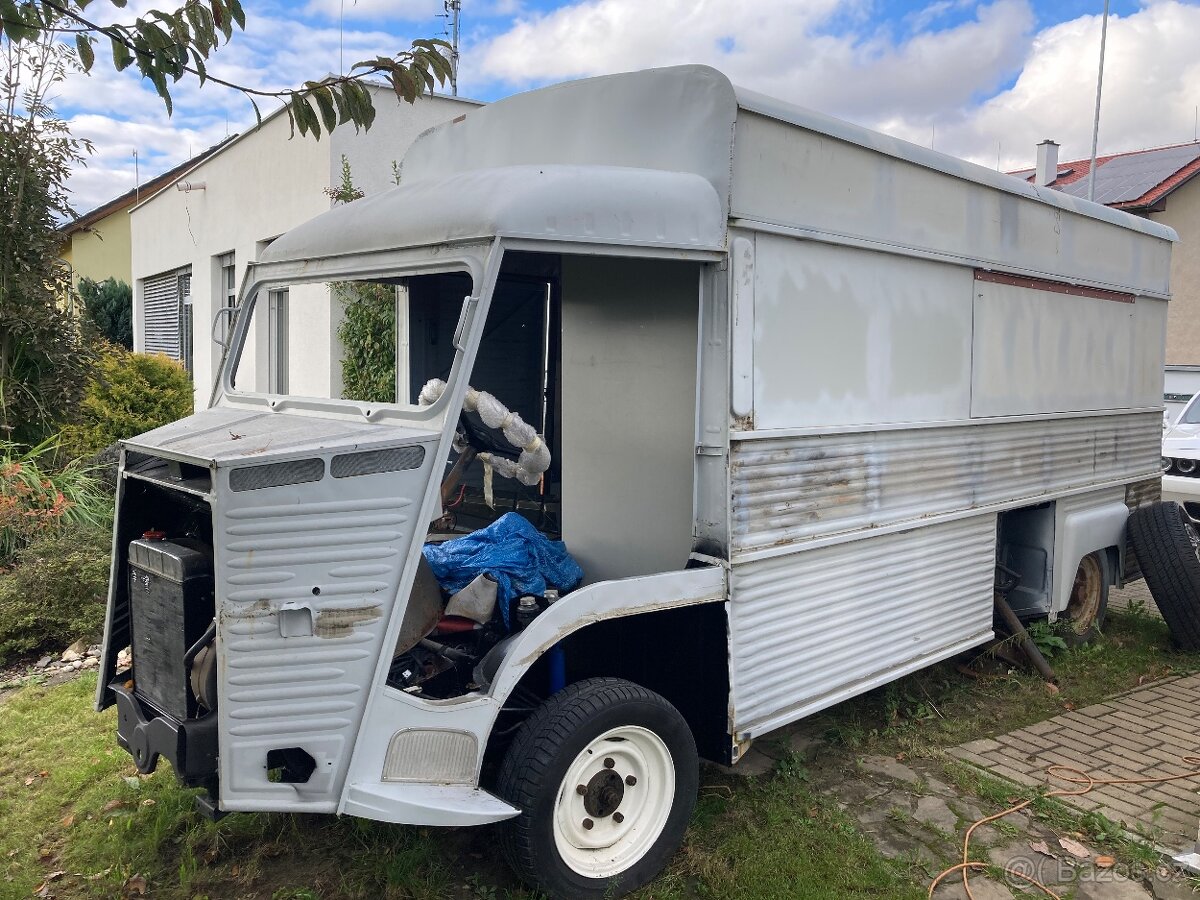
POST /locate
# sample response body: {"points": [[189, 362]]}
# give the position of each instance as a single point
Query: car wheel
{"points": [[1088, 604], [1167, 544], [605, 773]]}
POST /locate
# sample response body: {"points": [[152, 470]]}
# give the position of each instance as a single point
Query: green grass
{"points": [[941, 706], [1101, 833], [778, 837], [89, 815], [85, 812]]}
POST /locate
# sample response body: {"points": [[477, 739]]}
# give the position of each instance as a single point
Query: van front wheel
{"points": [[605, 774]]}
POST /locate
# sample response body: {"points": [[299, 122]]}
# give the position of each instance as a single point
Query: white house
{"points": [[192, 239]]}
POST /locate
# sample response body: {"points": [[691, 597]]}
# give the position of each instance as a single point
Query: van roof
{"points": [[676, 120]]}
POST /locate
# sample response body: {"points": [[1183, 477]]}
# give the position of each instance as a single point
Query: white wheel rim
{"points": [[605, 830]]}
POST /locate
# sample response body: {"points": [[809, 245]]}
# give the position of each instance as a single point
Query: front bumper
{"points": [[1184, 490], [148, 735]]}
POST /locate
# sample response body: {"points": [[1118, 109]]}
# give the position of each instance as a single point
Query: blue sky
{"points": [[981, 80]]}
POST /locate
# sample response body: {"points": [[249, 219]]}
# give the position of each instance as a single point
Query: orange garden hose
{"points": [[1071, 775]]}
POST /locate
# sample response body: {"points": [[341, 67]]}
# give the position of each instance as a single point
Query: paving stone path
{"points": [[1139, 734], [1136, 593]]}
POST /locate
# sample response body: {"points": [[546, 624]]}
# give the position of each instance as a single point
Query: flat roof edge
{"points": [[839, 129]]}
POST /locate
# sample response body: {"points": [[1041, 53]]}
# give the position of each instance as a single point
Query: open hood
{"points": [[227, 435]]}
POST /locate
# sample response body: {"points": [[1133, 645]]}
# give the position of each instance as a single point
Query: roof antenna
{"points": [[997, 156], [1196, 126], [1096, 120], [137, 186], [341, 18], [452, 9]]}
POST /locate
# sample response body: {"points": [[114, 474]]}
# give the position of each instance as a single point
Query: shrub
{"points": [[35, 500], [130, 393], [368, 336], [368, 327], [45, 356], [56, 592], [109, 305]]}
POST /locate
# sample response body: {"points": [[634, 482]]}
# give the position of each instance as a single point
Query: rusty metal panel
{"points": [[793, 489], [1084, 523], [812, 628]]}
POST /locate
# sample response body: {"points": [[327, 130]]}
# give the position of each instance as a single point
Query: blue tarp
{"points": [[511, 550]]}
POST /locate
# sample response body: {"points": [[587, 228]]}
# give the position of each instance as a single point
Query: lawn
{"points": [[79, 822]]}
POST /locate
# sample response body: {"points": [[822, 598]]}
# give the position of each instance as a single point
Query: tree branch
{"points": [[113, 33]]}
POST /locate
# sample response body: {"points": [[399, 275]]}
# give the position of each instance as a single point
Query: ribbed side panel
{"points": [[791, 489], [306, 587], [811, 628]]}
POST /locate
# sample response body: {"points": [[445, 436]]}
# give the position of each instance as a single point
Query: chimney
{"points": [[1047, 162]]}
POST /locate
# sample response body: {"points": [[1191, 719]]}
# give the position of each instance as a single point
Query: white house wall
{"points": [[255, 189], [397, 125]]}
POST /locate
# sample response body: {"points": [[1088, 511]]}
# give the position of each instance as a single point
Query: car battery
{"points": [[171, 606]]}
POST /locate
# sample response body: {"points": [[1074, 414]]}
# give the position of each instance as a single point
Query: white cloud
{"points": [[1151, 90], [977, 72], [788, 48], [951, 80]]}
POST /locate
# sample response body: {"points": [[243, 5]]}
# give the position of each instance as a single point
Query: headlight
{"points": [[1185, 466], [1167, 464]]}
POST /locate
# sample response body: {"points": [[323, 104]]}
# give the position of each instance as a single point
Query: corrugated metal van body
{"points": [[810, 629], [892, 395], [856, 557], [789, 490]]}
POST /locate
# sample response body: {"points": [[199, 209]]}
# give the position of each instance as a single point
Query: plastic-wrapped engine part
{"points": [[535, 455], [520, 558]]}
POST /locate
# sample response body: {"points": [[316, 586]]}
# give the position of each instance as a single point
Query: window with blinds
{"points": [[162, 311]]}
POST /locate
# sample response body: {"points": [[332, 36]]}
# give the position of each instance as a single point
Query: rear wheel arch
{"points": [[1087, 603]]}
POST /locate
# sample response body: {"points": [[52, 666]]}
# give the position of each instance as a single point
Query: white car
{"points": [[1181, 459]]}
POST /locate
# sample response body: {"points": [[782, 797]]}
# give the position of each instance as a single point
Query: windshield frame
{"points": [[481, 262]]}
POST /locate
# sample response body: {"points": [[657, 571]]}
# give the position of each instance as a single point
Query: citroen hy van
{"points": [[797, 389]]}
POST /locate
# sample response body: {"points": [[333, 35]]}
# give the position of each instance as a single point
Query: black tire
{"points": [[549, 743], [1083, 619], [1167, 545]]}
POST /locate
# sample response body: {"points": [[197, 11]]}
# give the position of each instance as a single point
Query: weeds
{"points": [[35, 499], [941, 706], [1046, 638]]}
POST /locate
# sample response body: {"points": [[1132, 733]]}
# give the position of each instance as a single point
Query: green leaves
{"points": [[338, 100], [20, 22], [122, 58], [87, 56]]}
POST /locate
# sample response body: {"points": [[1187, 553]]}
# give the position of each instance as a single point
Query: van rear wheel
{"points": [[1088, 603], [605, 773]]}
